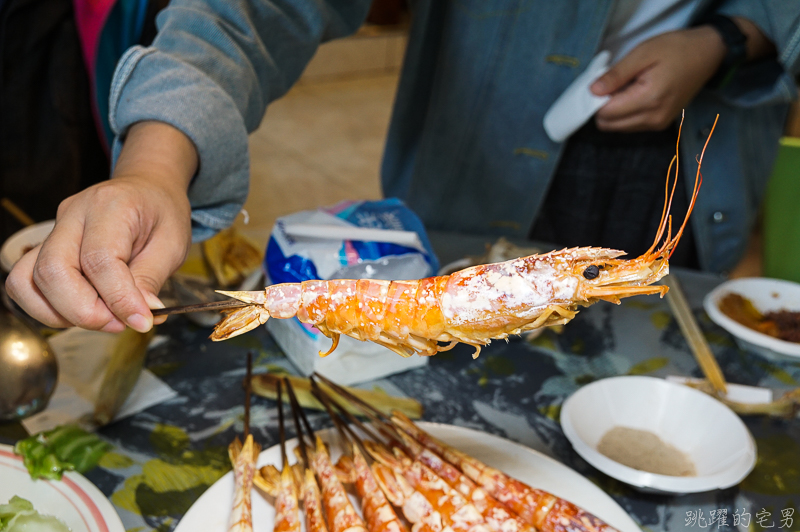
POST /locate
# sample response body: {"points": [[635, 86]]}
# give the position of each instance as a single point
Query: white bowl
{"points": [[707, 431], [767, 295], [20, 242]]}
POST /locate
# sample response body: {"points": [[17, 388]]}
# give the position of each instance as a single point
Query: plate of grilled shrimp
{"points": [[396, 475]]}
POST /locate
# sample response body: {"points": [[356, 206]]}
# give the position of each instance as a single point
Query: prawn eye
{"points": [[591, 272]]}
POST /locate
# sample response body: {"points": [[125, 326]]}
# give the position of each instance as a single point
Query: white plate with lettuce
{"points": [[73, 500]]}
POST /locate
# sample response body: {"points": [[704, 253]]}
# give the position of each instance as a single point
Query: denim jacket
{"points": [[466, 147]]}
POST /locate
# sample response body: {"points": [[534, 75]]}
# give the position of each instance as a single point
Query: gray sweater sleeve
{"points": [[212, 70]]}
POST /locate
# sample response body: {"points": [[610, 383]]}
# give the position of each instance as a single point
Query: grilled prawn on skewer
{"points": [[456, 513], [378, 513], [243, 459], [473, 306], [309, 492], [536, 507], [379, 485], [498, 517], [528, 507], [287, 507]]}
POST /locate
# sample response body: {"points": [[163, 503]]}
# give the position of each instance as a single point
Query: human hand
{"points": [[116, 243], [652, 84]]}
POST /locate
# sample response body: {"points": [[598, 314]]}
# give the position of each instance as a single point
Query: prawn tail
{"points": [[275, 301], [243, 319], [239, 322]]}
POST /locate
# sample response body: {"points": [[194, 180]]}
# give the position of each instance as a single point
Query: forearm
{"points": [[153, 150]]}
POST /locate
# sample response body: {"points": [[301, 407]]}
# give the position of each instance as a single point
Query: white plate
{"points": [[767, 295], [13, 249], [710, 433], [211, 511], [74, 500]]}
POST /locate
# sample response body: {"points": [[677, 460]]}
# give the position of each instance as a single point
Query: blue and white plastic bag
{"points": [[351, 240]]}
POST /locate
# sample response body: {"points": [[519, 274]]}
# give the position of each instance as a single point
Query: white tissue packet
{"points": [[577, 104]]}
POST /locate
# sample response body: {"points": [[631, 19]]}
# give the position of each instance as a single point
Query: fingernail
{"points": [[152, 300], [139, 323], [598, 87]]}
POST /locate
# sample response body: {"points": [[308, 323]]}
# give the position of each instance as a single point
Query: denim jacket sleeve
{"points": [[768, 81], [212, 70]]}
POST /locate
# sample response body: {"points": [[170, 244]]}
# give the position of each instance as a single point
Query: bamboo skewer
{"points": [[301, 442], [691, 330], [345, 430], [199, 307], [264, 385], [381, 421], [248, 389]]}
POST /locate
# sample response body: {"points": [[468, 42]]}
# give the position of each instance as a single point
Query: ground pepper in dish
{"points": [[645, 451]]}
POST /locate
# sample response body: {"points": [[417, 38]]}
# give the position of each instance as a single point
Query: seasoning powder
{"points": [[645, 451]]}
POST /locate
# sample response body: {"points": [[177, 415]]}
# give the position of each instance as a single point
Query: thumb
{"points": [[152, 267], [621, 74], [153, 302]]}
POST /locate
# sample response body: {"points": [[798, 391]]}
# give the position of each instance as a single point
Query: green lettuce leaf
{"points": [[18, 515], [66, 448]]}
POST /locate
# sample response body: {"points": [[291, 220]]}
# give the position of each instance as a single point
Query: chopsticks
{"points": [[691, 330]]}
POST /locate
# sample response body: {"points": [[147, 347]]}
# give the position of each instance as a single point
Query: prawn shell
{"points": [[287, 510], [313, 504]]}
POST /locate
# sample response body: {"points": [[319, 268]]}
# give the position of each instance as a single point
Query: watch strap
{"points": [[735, 42]]}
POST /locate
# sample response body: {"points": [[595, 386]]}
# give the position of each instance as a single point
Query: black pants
{"points": [[608, 191]]}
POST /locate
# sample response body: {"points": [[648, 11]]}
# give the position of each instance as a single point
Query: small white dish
{"points": [[767, 295], [707, 431], [22, 241], [73, 499]]}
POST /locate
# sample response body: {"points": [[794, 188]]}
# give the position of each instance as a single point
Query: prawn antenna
{"points": [[698, 181]]}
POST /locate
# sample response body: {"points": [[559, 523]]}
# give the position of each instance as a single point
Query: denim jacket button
{"points": [[718, 217]]}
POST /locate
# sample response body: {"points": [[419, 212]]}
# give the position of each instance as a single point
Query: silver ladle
{"points": [[28, 367]]}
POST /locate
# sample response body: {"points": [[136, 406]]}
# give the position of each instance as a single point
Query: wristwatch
{"points": [[736, 44]]}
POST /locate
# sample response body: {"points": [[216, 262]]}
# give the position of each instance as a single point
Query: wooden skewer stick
{"points": [[381, 421], [247, 393], [200, 307], [281, 430], [297, 427], [347, 434], [384, 428]]}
